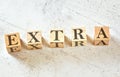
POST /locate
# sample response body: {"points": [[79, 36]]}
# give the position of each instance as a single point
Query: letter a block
{"points": [[34, 40], [56, 38], [102, 35], [79, 37], [13, 42]]}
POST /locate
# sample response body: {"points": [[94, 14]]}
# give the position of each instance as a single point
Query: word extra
{"points": [[79, 38]]}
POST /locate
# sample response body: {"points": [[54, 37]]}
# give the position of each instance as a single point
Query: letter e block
{"points": [[13, 42]]}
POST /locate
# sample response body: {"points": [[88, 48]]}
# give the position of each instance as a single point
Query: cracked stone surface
{"points": [[87, 61]]}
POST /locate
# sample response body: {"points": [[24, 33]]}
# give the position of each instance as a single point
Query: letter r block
{"points": [[56, 38], [13, 42], [79, 37], [34, 40], [102, 35]]}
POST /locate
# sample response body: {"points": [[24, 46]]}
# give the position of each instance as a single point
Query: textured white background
{"points": [[88, 61]]}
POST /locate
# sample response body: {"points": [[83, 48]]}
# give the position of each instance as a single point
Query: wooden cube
{"points": [[56, 38], [34, 40], [79, 37], [102, 35], [13, 42]]}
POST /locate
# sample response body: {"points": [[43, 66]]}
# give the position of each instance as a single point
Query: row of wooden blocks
{"points": [[79, 38]]}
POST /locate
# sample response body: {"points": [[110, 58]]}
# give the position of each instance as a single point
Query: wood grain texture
{"points": [[43, 15]]}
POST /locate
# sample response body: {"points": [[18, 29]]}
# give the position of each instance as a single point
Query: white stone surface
{"points": [[88, 61]]}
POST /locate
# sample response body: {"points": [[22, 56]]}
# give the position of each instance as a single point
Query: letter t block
{"points": [[79, 37], [56, 38]]}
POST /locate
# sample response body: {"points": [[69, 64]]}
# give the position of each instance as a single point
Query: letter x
{"points": [[33, 37]]}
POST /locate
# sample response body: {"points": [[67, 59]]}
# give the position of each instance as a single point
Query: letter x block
{"points": [[34, 40], [79, 37], [13, 42], [56, 38], [102, 35]]}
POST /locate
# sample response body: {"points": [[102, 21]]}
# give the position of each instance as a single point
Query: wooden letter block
{"points": [[34, 40], [79, 37], [13, 42], [56, 38], [102, 35]]}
